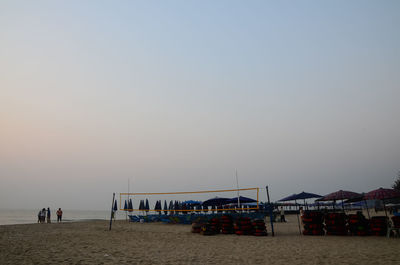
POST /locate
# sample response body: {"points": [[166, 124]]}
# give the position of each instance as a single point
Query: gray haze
{"points": [[175, 96]]}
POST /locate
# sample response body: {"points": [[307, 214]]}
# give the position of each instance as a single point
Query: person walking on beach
{"points": [[48, 215], [39, 216], [42, 215], [59, 215], [301, 216], [282, 215]]}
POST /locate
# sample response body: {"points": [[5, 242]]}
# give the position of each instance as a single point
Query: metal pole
{"points": [[366, 205], [126, 211], [112, 209], [384, 207], [298, 219], [270, 212], [237, 185]]}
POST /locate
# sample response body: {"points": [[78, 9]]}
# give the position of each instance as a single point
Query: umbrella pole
{"points": [[366, 205], [384, 207], [304, 200], [298, 219], [112, 209]]}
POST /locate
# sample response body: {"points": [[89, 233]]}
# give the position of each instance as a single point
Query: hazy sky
{"points": [[174, 95]]}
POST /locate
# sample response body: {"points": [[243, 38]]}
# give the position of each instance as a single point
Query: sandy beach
{"points": [[156, 243]]}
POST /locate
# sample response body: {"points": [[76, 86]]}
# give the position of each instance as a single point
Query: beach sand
{"points": [[157, 243]]}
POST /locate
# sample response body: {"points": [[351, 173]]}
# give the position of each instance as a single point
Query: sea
{"points": [[11, 216]]}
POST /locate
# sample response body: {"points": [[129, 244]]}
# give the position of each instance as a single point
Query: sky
{"points": [[177, 95]]}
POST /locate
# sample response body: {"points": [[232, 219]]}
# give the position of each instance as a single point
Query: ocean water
{"points": [[8, 217]]}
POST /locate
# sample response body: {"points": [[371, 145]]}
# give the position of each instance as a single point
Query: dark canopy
{"points": [[301, 196], [382, 194], [242, 199], [215, 201], [340, 195]]}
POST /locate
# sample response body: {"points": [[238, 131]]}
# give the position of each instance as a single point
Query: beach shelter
{"points": [[165, 207], [289, 198], [300, 196], [359, 199], [217, 201], [242, 199], [382, 194], [340, 195]]}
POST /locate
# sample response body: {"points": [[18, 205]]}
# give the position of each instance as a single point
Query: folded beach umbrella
{"points": [[125, 206], [115, 206], [171, 207], [215, 201], [141, 205], [158, 207], [130, 205], [165, 207], [147, 207]]}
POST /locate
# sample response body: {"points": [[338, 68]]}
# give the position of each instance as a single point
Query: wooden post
{"points": [[112, 209]]}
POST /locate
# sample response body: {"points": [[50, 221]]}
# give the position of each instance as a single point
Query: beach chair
{"points": [[394, 227]]}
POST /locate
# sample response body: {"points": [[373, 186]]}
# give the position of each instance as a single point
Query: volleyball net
{"points": [[190, 201]]}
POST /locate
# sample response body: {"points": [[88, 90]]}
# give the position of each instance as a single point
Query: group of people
{"points": [[47, 213]]}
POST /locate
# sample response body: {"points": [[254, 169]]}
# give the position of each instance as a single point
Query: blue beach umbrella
{"points": [[215, 201], [130, 205], [147, 207], [242, 199], [125, 206], [192, 202], [165, 207], [115, 206], [171, 207]]}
